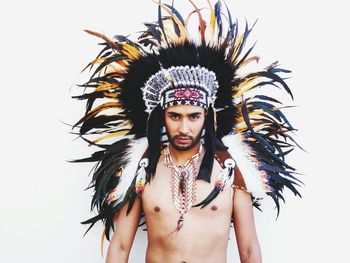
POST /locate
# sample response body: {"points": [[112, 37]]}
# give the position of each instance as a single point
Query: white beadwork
{"points": [[183, 196], [179, 76]]}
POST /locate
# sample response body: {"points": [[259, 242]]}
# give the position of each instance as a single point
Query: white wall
{"points": [[43, 48]]}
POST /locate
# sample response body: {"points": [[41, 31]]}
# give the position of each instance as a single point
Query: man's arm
{"points": [[123, 237], [244, 225]]}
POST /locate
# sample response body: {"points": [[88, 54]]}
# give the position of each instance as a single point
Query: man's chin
{"points": [[182, 147], [183, 144]]}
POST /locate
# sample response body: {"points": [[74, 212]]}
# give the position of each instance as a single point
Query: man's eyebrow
{"points": [[173, 113], [194, 113], [189, 114]]}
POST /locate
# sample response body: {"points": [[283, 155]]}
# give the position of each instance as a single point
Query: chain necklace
{"points": [[183, 183]]}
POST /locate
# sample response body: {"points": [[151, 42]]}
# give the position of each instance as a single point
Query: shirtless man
{"points": [[205, 232], [225, 145]]}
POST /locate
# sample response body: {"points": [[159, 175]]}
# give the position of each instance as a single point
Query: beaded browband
{"points": [[182, 85]]}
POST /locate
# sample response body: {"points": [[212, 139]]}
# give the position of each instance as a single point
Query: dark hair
{"points": [[154, 133], [155, 123], [211, 144]]}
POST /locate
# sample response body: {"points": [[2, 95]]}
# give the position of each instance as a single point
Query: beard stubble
{"points": [[194, 141]]}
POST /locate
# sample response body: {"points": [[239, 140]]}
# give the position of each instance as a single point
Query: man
{"points": [[205, 233], [194, 148]]}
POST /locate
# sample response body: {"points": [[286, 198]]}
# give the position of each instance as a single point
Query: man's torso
{"points": [[205, 232]]}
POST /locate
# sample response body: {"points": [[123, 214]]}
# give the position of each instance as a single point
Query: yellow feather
{"points": [[251, 139], [97, 61], [105, 106], [103, 240], [100, 108], [130, 51], [237, 45], [256, 113], [244, 87], [170, 33], [114, 69], [122, 63], [110, 67], [212, 19], [183, 31], [105, 86], [241, 127], [110, 95], [282, 107], [259, 127], [119, 130], [113, 134]]}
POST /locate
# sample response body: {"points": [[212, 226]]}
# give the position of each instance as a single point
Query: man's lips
{"points": [[183, 139]]}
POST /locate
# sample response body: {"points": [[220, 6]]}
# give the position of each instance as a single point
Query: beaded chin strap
{"points": [[183, 183]]}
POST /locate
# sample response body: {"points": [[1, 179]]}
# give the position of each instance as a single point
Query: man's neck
{"points": [[180, 157]]}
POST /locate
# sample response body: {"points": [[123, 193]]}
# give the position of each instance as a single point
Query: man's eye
{"points": [[194, 117], [174, 117]]}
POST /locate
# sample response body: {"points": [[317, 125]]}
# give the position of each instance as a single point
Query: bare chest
{"points": [[158, 198]]}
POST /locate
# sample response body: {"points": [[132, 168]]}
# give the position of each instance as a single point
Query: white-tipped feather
{"points": [[240, 152], [138, 148]]}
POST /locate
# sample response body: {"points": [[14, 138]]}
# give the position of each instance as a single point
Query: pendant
{"points": [[180, 223], [182, 184], [183, 177]]}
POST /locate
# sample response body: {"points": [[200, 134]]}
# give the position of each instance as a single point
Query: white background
{"points": [[43, 49]]}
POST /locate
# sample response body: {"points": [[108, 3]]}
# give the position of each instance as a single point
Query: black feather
{"points": [[213, 194], [154, 131]]}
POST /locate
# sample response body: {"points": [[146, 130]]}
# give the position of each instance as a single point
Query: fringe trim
{"points": [[256, 180], [138, 147]]}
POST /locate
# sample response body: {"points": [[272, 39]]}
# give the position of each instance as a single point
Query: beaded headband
{"points": [[181, 85]]}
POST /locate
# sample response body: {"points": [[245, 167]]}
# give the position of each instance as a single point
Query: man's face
{"points": [[184, 124]]}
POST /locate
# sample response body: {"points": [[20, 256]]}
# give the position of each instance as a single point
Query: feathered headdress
{"points": [[166, 65]]}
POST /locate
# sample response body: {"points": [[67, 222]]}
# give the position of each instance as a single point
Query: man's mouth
{"points": [[183, 139]]}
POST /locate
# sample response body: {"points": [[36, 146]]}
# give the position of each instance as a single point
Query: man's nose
{"points": [[184, 127]]}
